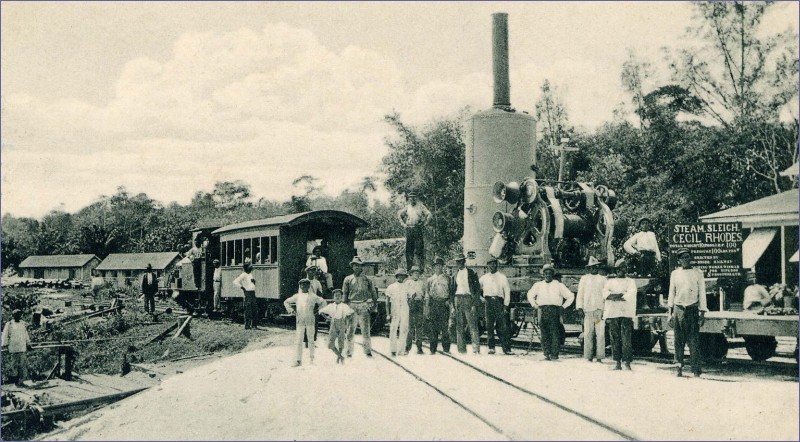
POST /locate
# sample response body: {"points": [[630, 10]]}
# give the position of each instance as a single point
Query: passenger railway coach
{"points": [[277, 248]]}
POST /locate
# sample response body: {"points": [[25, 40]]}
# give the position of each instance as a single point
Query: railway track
{"points": [[512, 411]]}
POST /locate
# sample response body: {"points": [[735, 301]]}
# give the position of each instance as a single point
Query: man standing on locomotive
{"points": [[590, 303], [413, 218], [416, 308], [643, 249], [550, 297], [361, 296], [687, 309], [620, 309], [247, 283], [467, 298], [305, 306]]}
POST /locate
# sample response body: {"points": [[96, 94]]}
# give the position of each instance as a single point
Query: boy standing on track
{"points": [[416, 307], [397, 299], [304, 302], [340, 313]]}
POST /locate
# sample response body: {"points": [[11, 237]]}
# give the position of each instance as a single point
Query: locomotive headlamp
{"points": [[529, 190], [506, 192], [502, 222]]}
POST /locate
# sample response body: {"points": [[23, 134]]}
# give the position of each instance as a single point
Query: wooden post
{"points": [[184, 328], [69, 358]]}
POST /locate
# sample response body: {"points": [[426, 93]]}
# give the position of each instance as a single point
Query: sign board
{"points": [[716, 247]]}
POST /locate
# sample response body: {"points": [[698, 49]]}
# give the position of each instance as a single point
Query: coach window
{"points": [[223, 258], [263, 250], [237, 252], [273, 249]]}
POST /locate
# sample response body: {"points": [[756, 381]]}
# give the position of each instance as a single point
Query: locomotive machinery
{"points": [[545, 221], [559, 222]]}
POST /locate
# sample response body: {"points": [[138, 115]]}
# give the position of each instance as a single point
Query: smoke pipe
{"points": [[502, 86]]}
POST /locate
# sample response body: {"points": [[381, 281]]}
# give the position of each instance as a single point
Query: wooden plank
{"points": [[160, 335], [69, 407], [184, 329], [91, 315]]}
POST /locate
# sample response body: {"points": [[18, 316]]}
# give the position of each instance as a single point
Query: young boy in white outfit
{"points": [[339, 313], [304, 302], [397, 298]]}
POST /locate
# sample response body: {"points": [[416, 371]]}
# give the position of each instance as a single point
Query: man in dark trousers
{"points": [[438, 306], [149, 289], [687, 309], [497, 294], [551, 297], [467, 298], [413, 218]]}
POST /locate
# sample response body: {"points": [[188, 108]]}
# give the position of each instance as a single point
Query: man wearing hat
{"points": [[149, 289], [305, 302], [397, 308], [643, 248], [15, 339], [550, 297], [438, 306], [620, 309], [687, 309], [413, 218], [497, 293], [589, 303], [317, 260], [361, 296], [217, 281], [416, 307], [467, 298]]}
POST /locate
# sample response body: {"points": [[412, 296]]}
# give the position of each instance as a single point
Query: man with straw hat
{"points": [[589, 302], [397, 306]]}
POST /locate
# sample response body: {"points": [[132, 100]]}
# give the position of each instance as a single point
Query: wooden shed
{"points": [[76, 267], [127, 268]]}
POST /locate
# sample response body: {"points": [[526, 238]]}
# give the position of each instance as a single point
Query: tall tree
{"points": [[553, 122]]}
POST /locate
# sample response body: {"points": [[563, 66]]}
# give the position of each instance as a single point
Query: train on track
{"points": [[524, 223]]}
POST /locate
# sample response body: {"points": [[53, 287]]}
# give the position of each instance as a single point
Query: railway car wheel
{"points": [[713, 347], [642, 342], [760, 348]]}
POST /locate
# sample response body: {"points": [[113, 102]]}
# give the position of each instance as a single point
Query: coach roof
{"points": [[333, 217]]}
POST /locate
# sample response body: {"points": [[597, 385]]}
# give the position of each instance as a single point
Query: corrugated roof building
{"points": [[127, 268], [77, 267]]}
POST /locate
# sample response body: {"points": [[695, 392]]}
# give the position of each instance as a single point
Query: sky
{"points": [[169, 98]]}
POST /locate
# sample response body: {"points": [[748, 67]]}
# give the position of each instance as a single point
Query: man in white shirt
{"points": [[589, 303], [687, 309], [305, 303], [339, 313], [16, 340], [317, 260], [550, 297], [756, 296], [467, 299], [217, 280], [397, 306], [620, 309], [416, 308], [497, 293], [413, 218], [247, 283], [643, 249]]}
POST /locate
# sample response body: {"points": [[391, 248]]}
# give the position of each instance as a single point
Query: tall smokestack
{"points": [[500, 60]]}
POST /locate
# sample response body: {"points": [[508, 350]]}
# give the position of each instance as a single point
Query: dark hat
{"points": [[311, 269], [356, 260], [683, 251], [336, 292], [460, 258], [216, 261], [415, 269], [491, 260], [304, 281], [643, 219], [438, 260], [400, 271], [16, 311], [547, 267]]}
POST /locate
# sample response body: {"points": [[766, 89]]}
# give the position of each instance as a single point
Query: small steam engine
{"points": [[560, 222]]}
